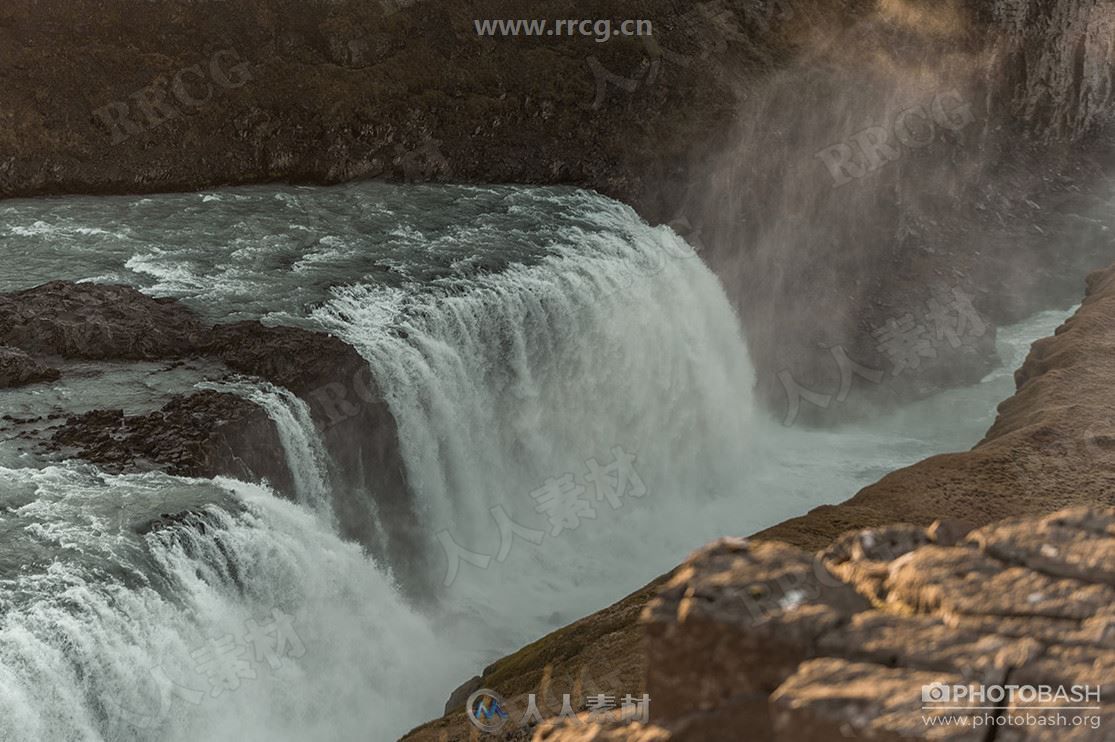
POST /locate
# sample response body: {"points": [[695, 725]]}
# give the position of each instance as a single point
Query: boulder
{"points": [[200, 435], [18, 368], [96, 322]]}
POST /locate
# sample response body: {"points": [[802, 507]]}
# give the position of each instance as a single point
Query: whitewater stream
{"points": [[539, 348]]}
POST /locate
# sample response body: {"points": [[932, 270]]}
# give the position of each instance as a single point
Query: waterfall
{"points": [[303, 447], [621, 337], [535, 347], [169, 647], [619, 343]]}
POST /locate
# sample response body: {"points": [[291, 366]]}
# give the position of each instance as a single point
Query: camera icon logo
{"points": [[935, 693]]}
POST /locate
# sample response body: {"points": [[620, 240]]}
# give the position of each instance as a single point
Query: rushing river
{"points": [[537, 347]]}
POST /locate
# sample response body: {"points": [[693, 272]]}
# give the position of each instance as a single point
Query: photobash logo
{"points": [[935, 693], [485, 710]]}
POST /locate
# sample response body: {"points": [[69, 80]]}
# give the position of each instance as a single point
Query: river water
{"points": [[574, 403]]}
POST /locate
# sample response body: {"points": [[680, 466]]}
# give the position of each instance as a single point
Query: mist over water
{"points": [[522, 337]]}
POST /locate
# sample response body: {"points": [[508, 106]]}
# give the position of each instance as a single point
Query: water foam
{"points": [[619, 339], [91, 655], [303, 447]]}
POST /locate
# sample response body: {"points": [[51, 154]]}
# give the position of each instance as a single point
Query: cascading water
{"points": [[619, 343], [260, 625], [573, 399], [305, 451]]}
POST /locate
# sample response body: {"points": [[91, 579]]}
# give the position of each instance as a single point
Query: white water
{"points": [[620, 338], [303, 447], [80, 661]]}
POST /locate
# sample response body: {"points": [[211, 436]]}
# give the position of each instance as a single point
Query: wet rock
{"points": [[201, 435], [17, 369], [97, 322], [300, 360]]}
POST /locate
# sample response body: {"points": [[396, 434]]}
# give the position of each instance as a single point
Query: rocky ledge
{"points": [[200, 435], [927, 599], [874, 637], [92, 321]]}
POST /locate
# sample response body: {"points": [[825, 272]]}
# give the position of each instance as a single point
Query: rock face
{"points": [[231, 92], [1058, 94], [357, 427], [198, 435], [718, 124], [789, 646], [1052, 444], [17, 368]]}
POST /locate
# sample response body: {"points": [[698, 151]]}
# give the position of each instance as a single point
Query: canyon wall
{"points": [[852, 170]]}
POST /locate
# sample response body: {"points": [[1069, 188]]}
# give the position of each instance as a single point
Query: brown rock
{"points": [[734, 622], [592, 732], [831, 699]]}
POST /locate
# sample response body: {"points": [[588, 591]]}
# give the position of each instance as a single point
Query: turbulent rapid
{"points": [[574, 407]]}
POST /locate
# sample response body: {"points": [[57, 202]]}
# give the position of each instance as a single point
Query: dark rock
{"points": [[96, 321], [301, 360], [526, 111], [357, 426], [202, 435], [209, 434], [17, 369]]}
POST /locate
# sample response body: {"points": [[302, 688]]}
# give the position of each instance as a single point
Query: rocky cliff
{"points": [[760, 633], [877, 636], [842, 165]]}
